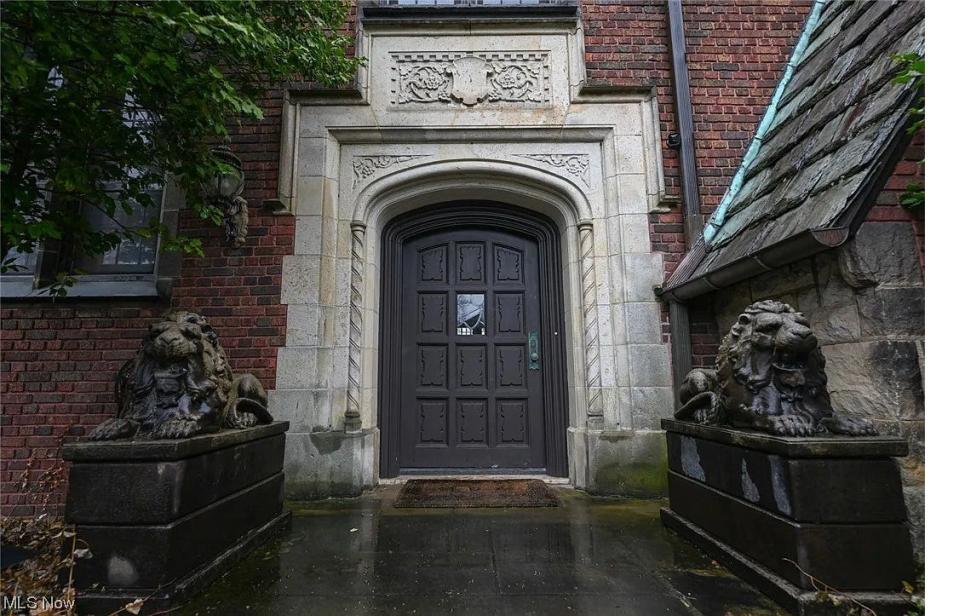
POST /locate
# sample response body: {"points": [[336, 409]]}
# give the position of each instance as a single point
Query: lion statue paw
{"points": [[177, 428], [113, 429], [850, 426], [791, 425]]}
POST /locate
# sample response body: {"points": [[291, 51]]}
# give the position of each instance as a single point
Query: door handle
{"points": [[533, 350]]}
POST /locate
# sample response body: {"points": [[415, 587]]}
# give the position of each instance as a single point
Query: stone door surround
{"points": [[425, 129]]}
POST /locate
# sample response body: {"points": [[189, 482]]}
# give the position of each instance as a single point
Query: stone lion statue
{"points": [[770, 376], [180, 384]]}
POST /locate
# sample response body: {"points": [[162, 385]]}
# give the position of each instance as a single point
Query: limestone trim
{"points": [[468, 78], [365, 167], [588, 159], [580, 133], [594, 393], [352, 421], [574, 164], [427, 176]]}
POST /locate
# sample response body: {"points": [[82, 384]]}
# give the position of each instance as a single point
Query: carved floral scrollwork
{"points": [[471, 78], [574, 164], [515, 82], [365, 166], [426, 83]]}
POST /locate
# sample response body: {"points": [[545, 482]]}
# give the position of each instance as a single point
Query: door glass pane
{"points": [[470, 314]]}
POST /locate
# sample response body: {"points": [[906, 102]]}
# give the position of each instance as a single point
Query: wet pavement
{"points": [[588, 556]]}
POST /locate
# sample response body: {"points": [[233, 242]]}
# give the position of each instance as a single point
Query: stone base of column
{"points": [[618, 462], [331, 463]]}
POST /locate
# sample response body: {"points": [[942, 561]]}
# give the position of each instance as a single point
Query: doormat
{"points": [[465, 493]]}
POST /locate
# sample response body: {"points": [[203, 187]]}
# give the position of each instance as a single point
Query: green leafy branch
{"points": [[104, 101], [912, 72]]}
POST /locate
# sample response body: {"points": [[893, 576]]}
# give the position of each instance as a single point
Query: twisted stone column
{"points": [[352, 420], [594, 393]]}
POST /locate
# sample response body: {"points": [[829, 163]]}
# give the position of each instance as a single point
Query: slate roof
{"points": [[838, 124]]}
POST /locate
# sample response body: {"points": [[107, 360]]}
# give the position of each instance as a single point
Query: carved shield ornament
{"points": [[470, 79]]}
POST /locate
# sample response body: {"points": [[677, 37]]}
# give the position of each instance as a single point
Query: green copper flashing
{"points": [[719, 215]]}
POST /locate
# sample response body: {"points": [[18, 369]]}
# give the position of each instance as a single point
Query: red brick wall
{"points": [[736, 51], [908, 171]]}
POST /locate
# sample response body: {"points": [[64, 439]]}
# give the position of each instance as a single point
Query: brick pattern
{"points": [[56, 381], [736, 52], [908, 171]]}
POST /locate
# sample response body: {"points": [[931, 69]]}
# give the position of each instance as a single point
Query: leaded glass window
{"points": [[470, 314]]}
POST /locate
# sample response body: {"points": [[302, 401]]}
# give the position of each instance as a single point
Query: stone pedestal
{"points": [[163, 518], [777, 510]]}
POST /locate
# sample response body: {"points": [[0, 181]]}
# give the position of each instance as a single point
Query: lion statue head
{"points": [[180, 384], [184, 336], [770, 376], [768, 336]]}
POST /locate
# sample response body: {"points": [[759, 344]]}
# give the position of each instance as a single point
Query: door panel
{"points": [[469, 399]]}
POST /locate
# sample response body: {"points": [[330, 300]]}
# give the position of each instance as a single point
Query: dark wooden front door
{"points": [[471, 395]]}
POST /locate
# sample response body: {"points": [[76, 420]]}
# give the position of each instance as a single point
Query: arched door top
{"points": [[511, 183]]}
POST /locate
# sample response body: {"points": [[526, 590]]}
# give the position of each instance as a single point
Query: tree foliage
{"points": [[102, 100], [912, 71]]}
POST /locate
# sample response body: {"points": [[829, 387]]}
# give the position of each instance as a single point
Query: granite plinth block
{"points": [[800, 489], [793, 507], [161, 518], [796, 600]]}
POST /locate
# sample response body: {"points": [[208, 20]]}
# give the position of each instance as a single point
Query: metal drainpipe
{"points": [[680, 339]]}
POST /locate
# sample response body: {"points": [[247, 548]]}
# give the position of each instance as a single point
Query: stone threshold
{"points": [[401, 479]]}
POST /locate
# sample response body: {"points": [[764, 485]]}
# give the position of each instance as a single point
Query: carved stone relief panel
{"points": [[364, 167], [574, 164], [468, 78]]}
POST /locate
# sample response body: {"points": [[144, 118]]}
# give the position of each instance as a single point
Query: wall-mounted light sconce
{"points": [[223, 192]]}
